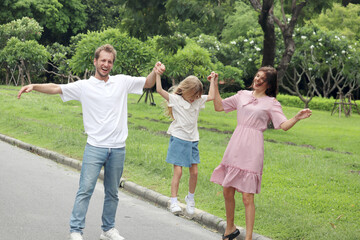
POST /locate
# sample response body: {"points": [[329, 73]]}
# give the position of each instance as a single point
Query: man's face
{"points": [[103, 65]]}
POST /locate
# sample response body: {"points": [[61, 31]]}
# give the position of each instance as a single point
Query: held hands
{"points": [[213, 76], [159, 68], [302, 114], [26, 89]]}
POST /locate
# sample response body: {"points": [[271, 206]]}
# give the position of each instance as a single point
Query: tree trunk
{"points": [[28, 75], [286, 57], [287, 30], [21, 75], [7, 82], [267, 24]]}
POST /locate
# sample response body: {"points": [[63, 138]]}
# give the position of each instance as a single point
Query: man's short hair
{"points": [[108, 48]]}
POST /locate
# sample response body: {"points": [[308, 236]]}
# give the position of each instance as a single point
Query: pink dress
{"points": [[242, 163]]}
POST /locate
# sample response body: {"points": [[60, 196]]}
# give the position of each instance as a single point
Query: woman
{"points": [[242, 163]]}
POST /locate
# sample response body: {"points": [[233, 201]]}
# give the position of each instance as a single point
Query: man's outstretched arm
{"points": [[48, 88]]}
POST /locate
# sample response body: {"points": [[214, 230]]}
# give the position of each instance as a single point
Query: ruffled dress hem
{"points": [[242, 180]]}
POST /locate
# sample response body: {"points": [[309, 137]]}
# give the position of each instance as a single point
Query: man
{"points": [[104, 105]]}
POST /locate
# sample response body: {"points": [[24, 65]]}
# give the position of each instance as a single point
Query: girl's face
{"points": [[259, 82], [191, 96]]}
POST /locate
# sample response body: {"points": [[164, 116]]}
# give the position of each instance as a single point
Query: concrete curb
{"points": [[206, 219]]}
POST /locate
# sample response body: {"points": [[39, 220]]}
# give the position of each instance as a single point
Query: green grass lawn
{"points": [[311, 180]]}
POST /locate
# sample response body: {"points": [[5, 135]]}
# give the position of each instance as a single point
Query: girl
{"points": [[184, 106], [242, 163]]}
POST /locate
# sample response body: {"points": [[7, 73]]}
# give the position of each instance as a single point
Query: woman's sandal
{"points": [[232, 235]]}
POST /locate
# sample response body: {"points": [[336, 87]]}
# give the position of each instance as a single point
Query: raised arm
{"points": [[302, 114], [212, 78], [159, 88], [48, 88], [216, 97], [151, 78]]}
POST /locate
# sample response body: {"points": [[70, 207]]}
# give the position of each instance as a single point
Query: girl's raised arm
{"points": [[159, 88], [212, 78]]}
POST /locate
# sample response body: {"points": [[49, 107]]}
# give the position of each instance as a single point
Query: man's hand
{"points": [[159, 68], [48, 88], [26, 89]]}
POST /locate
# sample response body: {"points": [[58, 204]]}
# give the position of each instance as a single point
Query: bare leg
{"points": [[176, 180], [248, 199], [193, 178], [229, 196]]}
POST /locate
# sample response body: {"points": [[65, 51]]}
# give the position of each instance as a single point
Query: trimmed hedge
{"points": [[317, 103]]}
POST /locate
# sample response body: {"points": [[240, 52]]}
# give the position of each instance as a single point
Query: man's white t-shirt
{"points": [[186, 116], [104, 107]]}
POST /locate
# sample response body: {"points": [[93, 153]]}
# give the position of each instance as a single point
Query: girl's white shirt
{"points": [[185, 116]]}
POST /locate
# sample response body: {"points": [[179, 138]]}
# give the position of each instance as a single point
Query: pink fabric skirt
{"points": [[240, 179]]}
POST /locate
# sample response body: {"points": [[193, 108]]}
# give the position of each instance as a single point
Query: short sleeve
{"points": [[71, 91], [230, 104], [276, 114], [135, 84], [201, 101], [172, 100]]}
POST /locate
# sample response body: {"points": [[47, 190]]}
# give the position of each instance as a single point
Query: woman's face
{"points": [[259, 82]]}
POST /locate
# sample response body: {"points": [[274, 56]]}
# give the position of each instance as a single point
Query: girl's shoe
{"points": [[175, 208], [232, 235], [190, 206]]}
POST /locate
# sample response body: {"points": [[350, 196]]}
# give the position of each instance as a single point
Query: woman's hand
{"points": [[302, 114]]}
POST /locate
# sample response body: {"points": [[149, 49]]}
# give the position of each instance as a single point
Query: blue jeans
{"points": [[93, 160]]}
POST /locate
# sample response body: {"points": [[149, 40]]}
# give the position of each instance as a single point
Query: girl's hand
{"points": [[213, 75], [304, 113], [159, 68]]}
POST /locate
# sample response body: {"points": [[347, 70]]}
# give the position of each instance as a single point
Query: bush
{"points": [[317, 103]]}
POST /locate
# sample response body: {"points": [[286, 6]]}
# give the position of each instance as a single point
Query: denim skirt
{"points": [[182, 153]]}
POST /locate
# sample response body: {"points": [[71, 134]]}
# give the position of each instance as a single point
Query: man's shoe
{"points": [[112, 234], [175, 208], [76, 236], [190, 206]]}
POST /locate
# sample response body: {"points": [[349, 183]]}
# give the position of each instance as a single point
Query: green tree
{"points": [[104, 14], [345, 20], [28, 56], [322, 65], [291, 12], [194, 17], [239, 22], [191, 60], [133, 56], [59, 18], [145, 18], [58, 66], [23, 29]]}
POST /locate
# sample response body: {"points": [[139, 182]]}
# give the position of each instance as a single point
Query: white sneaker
{"points": [[112, 234], [175, 208], [76, 236], [190, 205]]}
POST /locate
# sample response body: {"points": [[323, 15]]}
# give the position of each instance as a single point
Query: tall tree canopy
{"points": [[60, 18]]}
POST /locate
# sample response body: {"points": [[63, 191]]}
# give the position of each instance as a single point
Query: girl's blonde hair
{"points": [[191, 85]]}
